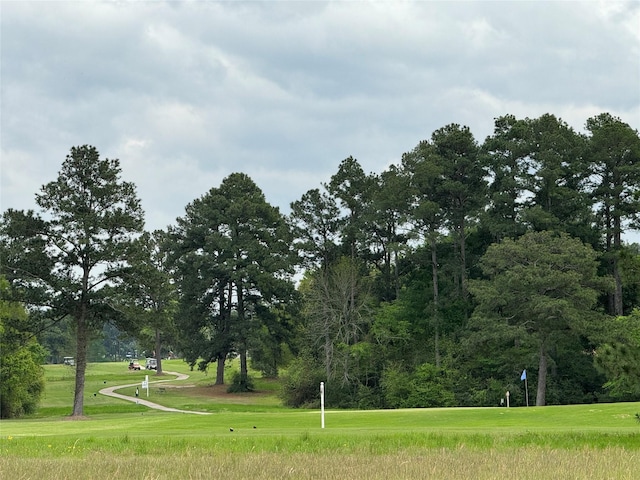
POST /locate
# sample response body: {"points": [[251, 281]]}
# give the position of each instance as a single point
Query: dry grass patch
{"points": [[443, 464]]}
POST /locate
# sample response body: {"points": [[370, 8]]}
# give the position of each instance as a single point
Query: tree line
{"points": [[432, 283]]}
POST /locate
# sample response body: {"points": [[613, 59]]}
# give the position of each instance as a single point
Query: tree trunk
{"points": [[463, 260], [396, 275], [618, 305], [542, 376], [617, 245], [387, 272], [608, 228], [436, 298], [81, 363], [611, 295], [244, 370], [158, 353], [220, 369]]}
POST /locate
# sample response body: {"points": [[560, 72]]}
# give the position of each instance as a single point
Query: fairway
{"points": [[246, 439]]}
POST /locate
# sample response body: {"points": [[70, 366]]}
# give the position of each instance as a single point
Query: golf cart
{"points": [[152, 364]]}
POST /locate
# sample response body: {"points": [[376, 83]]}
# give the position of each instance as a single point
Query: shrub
{"points": [[430, 388], [21, 356], [241, 383], [427, 386], [396, 386], [300, 383]]}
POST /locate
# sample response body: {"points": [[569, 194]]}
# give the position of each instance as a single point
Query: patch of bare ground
{"points": [[220, 392]]}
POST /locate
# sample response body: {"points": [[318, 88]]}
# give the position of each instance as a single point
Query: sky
{"points": [[186, 93]]}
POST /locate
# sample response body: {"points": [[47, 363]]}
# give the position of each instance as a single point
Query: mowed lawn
{"points": [[253, 436]]}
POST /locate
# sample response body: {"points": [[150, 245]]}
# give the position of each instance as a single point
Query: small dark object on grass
{"points": [[638, 417], [254, 426], [231, 429], [95, 394]]}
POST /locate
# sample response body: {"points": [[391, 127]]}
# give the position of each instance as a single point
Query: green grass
{"points": [[58, 396], [123, 440], [610, 424]]}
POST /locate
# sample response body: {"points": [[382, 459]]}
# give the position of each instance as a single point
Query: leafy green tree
{"points": [[57, 339], [392, 332], [119, 343], [374, 214], [198, 254], [614, 156], [148, 297], [234, 257], [539, 288], [61, 264], [556, 180], [538, 179], [271, 345], [387, 220], [463, 187], [425, 173], [442, 199], [262, 258], [21, 357], [619, 357], [317, 226], [629, 260], [506, 157], [353, 188]]}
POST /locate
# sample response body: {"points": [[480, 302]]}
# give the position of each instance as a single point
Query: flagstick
{"points": [[526, 389]]}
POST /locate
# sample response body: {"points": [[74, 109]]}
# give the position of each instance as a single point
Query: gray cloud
{"points": [[185, 93]]}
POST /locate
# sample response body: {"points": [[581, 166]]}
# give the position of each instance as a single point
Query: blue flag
{"points": [[524, 375]]}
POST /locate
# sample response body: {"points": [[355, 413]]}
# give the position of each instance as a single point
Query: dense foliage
{"points": [[21, 372], [435, 282], [476, 262]]}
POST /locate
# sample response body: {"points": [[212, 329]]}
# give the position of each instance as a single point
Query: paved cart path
{"points": [[110, 392]]}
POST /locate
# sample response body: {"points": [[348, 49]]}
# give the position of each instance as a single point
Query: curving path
{"points": [[110, 392]]}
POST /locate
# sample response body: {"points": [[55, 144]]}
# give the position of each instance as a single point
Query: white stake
{"points": [[322, 402]]}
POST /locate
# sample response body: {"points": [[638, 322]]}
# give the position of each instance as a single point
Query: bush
{"points": [[396, 386], [430, 388], [241, 383], [21, 356], [368, 398], [301, 383], [427, 386], [21, 381]]}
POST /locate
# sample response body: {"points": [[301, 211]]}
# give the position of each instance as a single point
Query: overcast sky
{"points": [[186, 93]]}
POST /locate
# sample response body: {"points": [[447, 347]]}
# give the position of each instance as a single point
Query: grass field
{"points": [[252, 436]]}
